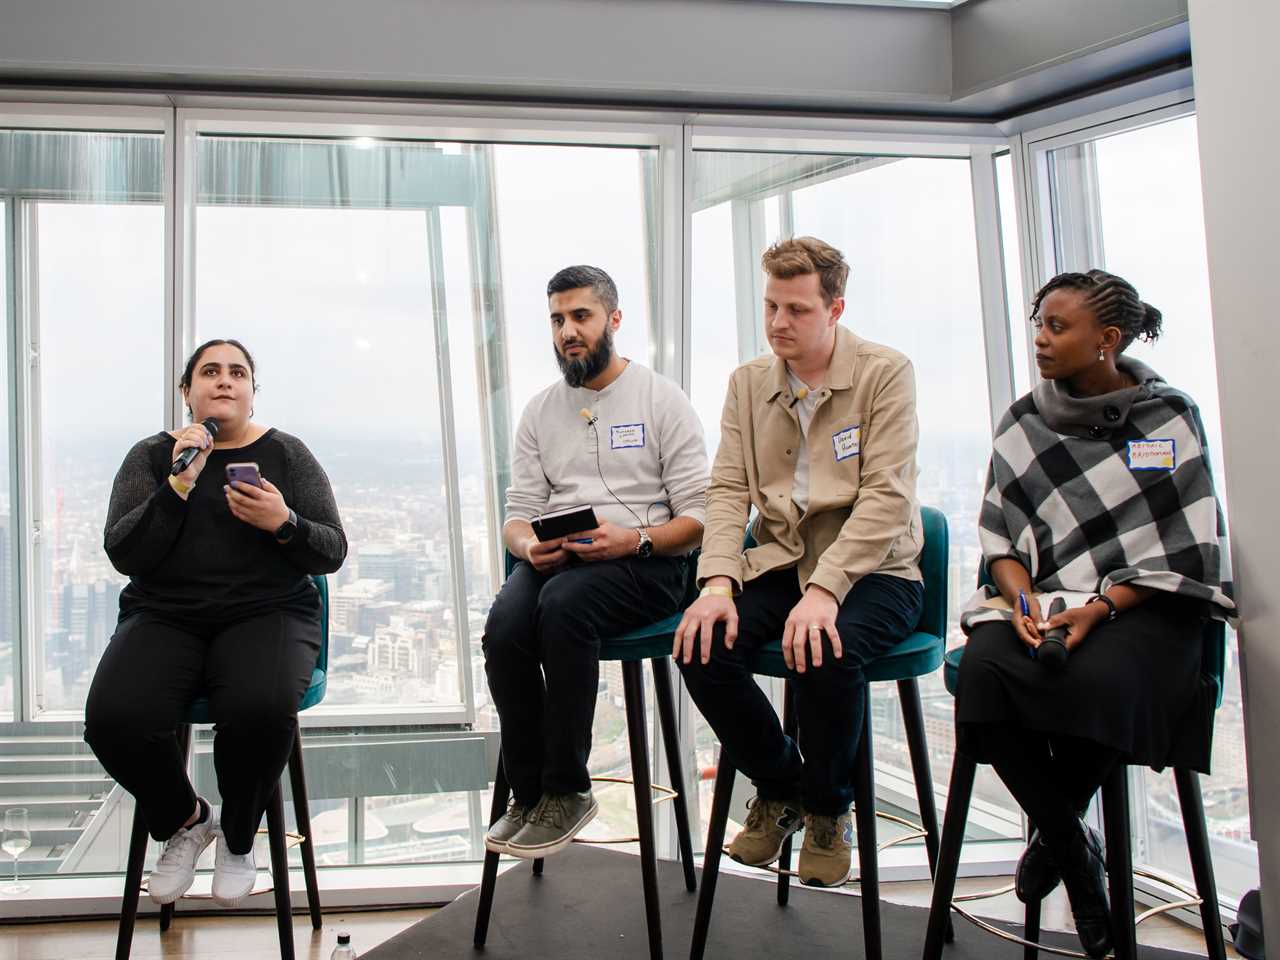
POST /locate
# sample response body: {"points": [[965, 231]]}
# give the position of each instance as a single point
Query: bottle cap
{"points": [[343, 937]]}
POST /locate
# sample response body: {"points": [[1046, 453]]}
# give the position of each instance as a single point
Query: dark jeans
{"points": [[542, 657], [877, 613], [254, 673]]}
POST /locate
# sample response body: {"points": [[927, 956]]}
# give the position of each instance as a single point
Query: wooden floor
{"points": [[254, 938]]}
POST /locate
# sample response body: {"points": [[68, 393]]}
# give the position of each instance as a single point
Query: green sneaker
{"points": [[769, 823], [552, 824], [827, 850], [508, 825]]}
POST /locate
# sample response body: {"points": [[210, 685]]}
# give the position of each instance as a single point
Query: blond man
{"points": [[820, 439]]}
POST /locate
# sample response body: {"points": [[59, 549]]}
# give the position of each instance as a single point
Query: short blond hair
{"points": [[801, 255]]}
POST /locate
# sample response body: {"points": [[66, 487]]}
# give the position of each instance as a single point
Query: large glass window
{"points": [[8, 591], [362, 273], [1115, 209], [906, 226], [82, 283], [100, 372]]}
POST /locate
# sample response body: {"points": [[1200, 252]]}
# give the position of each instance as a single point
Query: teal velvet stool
{"points": [[915, 656], [199, 713], [1115, 814], [652, 643]]}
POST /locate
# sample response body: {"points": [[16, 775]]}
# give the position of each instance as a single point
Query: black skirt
{"points": [[1133, 685]]}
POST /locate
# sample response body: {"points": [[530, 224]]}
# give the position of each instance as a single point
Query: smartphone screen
{"points": [[244, 472]]}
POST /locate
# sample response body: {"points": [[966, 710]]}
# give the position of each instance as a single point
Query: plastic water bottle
{"points": [[343, 950]]}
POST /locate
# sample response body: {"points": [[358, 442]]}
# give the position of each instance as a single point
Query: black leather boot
{"points": [[1084, 873]]}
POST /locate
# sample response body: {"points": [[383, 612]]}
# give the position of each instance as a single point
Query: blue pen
{"points": [[1026, 612]]}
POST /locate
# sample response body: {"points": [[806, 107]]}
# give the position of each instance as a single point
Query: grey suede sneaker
{"points": [[552, 824], [508, 825]]}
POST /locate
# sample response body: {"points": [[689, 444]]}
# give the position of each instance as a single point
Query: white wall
{"points": [[1236, 77]]}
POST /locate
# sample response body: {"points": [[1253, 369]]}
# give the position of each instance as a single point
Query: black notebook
{"points": [[561, 523]]}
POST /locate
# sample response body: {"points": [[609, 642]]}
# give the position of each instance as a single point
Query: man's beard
{"points": [[578, 372]]}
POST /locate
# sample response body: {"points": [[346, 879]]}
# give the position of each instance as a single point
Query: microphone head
{"points": [[1052, 653], [584, 413], [211, 425], [802, 393]]}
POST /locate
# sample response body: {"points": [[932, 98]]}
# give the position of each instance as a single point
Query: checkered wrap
{"points": [[1068, 507]]}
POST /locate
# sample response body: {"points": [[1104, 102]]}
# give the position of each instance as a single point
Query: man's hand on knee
{"points": [[808, 620], [698, 625]]}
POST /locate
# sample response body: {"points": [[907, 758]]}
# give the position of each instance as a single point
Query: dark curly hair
{"points": [[1114, 302]]}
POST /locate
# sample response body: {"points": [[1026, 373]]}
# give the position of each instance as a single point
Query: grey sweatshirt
{"points": [[648, 441]]}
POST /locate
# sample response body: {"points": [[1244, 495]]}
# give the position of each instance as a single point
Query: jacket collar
{"points": [[839, 373]]}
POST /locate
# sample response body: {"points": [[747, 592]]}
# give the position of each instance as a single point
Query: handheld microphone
{"points": [[588, 416], [189, 454], [1052, 651]]}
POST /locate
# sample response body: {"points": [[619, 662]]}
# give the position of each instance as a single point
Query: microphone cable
{"points": [[591, 419]]}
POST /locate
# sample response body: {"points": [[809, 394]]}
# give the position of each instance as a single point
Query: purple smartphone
{"points": [[244, 472]]}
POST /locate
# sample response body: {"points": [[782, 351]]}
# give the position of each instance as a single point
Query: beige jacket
{"points": [[863, 516]]}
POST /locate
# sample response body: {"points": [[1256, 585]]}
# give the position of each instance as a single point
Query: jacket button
{"points": [[1111, 413], [1098, 432]]}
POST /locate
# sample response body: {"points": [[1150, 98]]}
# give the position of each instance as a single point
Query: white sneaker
{"points": [[233, 875], [176, 868]]}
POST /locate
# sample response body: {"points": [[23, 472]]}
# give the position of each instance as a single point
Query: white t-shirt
{"points": [[805, 406], [650, 445]]}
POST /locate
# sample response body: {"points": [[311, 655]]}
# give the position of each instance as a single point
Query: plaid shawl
{"points": [[1087, 492]]}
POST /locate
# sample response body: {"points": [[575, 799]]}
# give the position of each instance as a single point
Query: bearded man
{"points": [[617, 437]]}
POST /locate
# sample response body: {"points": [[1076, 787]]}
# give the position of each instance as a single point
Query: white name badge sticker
{"points": [[626, 435], [848, 442], [1152, 455]]}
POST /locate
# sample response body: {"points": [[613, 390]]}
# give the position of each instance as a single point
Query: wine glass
{"points": [[17, 838]]}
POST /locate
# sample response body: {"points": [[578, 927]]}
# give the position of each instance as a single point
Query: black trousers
{"points": [[1053, 777], [877, 613], [542, 657], [254, 673]]}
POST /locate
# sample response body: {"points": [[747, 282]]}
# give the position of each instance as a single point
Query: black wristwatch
{"points": [[288, 528], [644, 548], [1112, 612]]}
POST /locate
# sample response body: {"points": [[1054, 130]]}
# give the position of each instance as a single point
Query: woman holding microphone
{"points": [[220, 603], [1099, 493]]}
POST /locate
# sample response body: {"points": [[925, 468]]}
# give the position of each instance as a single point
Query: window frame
{"points": [[23, 332], [675, 134]]}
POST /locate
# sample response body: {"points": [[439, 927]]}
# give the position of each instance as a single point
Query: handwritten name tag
{"points": [[847, 443], [1152, 455], [625, 435]]}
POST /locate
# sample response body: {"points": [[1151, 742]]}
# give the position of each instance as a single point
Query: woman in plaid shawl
{"points": [[1099, 492]]}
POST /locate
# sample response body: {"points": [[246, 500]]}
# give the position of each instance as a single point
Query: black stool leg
{"points": [[1031, 930], [280, 872], [913, 723], [720, 798], [132, 885], [864, 809], [633, 690], [791, 727], [1192, 804], [1115, 814], [302, 814], [959, 794], [489, 877], [667, 720], [184, 747]]}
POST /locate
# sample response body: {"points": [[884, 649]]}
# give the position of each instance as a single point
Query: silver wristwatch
{"points": [[645, 547]]}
